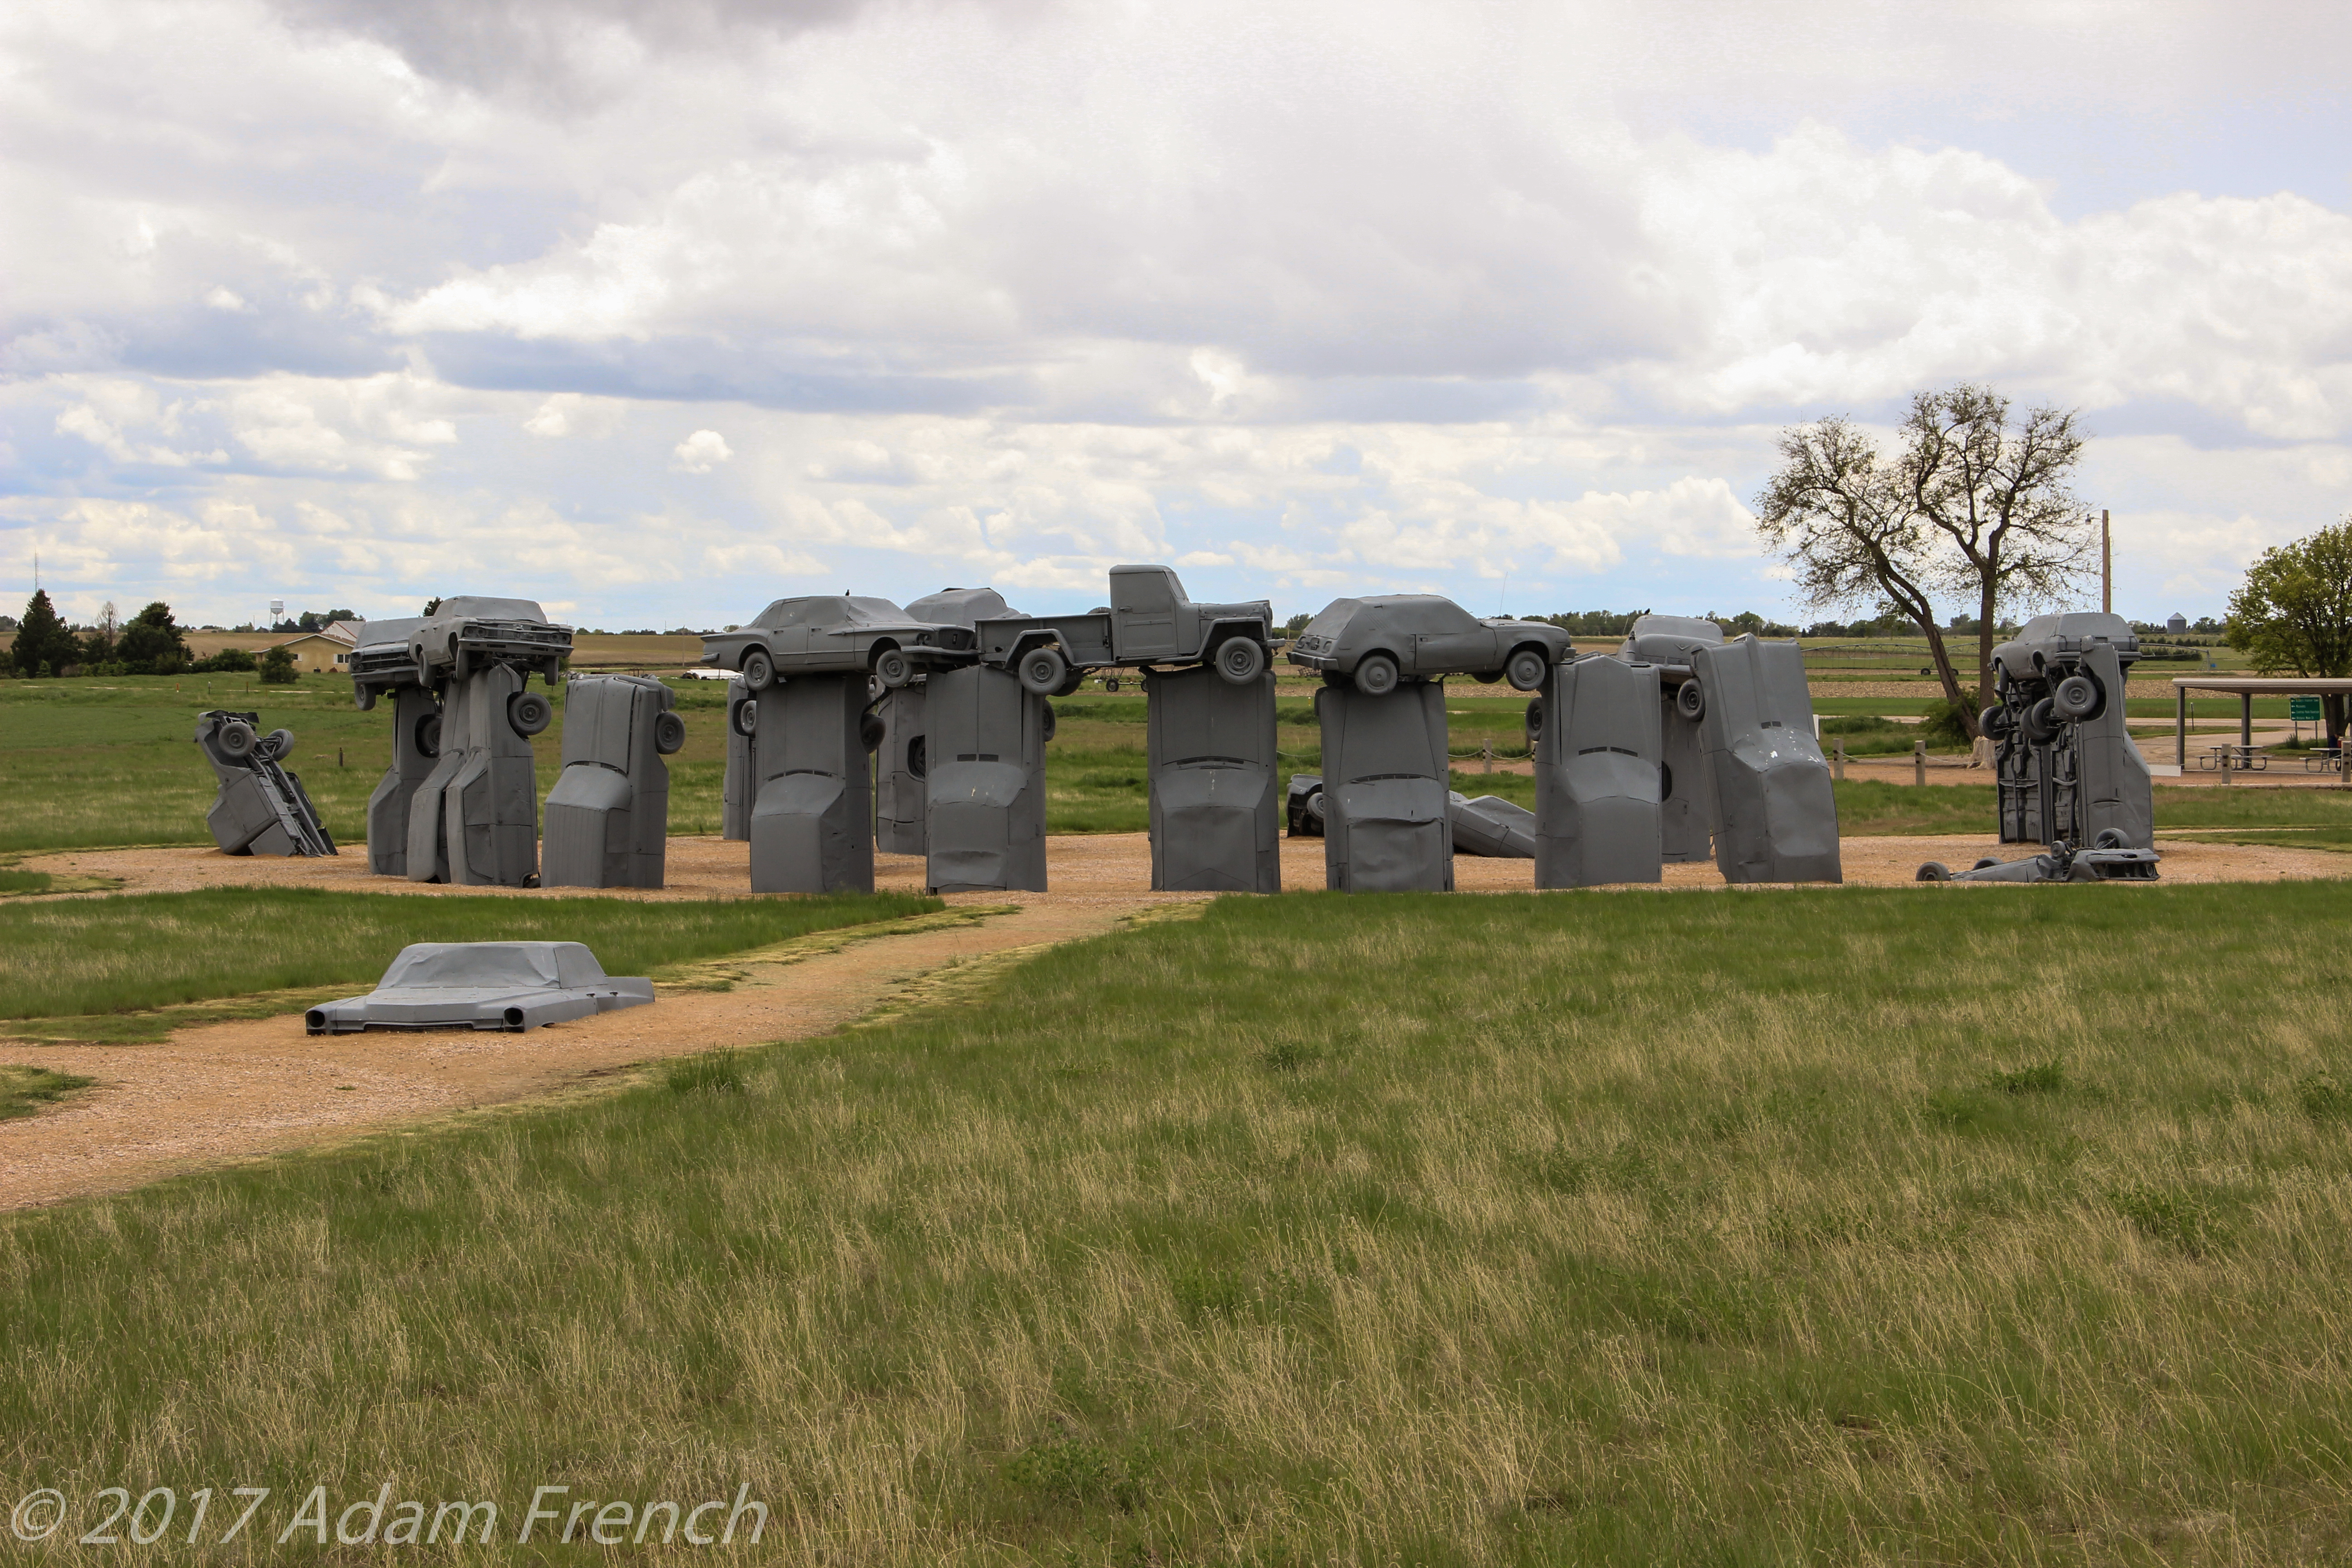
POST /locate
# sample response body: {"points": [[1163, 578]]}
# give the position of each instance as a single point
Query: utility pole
{"points": [[2107, 565]]}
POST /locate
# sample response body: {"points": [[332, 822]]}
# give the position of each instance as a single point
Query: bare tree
{"points": [[2015, 535], [1973, 506], [1847, 525]]}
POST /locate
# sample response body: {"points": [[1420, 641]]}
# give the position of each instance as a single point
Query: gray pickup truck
{"points": [[1148, 622]]}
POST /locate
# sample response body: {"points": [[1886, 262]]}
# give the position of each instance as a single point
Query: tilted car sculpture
{"points": [[2063, 757], [1671, 645], [1376, 642], [1488, 824], [1149, 621], [507, 985], [2111, 861], [261, 808], [1772, 814], [835, 634]]}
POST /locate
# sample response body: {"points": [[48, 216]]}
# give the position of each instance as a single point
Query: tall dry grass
{"points": [[1792, 1226]]}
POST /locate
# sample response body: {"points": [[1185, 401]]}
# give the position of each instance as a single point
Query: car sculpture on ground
{"points": [[462, 637], [1377, 642], [510, 985], [1149, 621], [2110, 861], [835, 634]]}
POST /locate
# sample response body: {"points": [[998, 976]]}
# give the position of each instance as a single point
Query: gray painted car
{"points": [[835, 634], [462, 637], [1376, 642], [510, 985]]}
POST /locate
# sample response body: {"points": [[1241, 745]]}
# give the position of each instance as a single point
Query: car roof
{"points": [[960, 607], [1394, 613], [829, 609]]}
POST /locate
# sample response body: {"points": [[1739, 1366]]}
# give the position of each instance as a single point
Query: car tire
{"points": [[528, 713], [1534, 722], [744, 719], [1314, 812], [1526, 669], [1240, 660], [276, 744], [363, 699], [1042, 671], [1665, 783], [669, 733], [2078, 698], [2041, 723], [1993, 721], [2110, 838], [1111, 683], [871, 730], [1932, 871], [893, 668], [759, 670], [919, 758], [1049, 724], [428, 735], [236, 739], [1376, 675], [1985, 861], [1690, 700]]}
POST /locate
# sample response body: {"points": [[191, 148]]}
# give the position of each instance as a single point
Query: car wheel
{"points": [[1376, 675], [1049, 723], [919, 758], [2110, 838], [428, 735], [1534, 722], [530, 714], [364, 698], [759, 669], [236, 739], [2041, 723], [893, 668], [1985, 862], [461, 661], [2077, 697], [1526, 669], [276, 744], [1042, 671], [1111, 683], [744, 718], [1240, 660], [870, 731], [1993, 721], [1690, 700], [669, 733], [1314, 808], [1934, 871], [1665, 783]]}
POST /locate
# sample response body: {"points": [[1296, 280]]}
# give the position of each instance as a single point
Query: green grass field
{"points": [[25, 1091], [1594, 1227], [111, 761], [116, 968]]}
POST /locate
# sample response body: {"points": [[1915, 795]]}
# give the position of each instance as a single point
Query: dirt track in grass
{"points": [[220, 1093]]}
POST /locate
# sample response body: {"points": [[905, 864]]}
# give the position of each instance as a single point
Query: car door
{"points": [[1450, 639], [1143, 613]]}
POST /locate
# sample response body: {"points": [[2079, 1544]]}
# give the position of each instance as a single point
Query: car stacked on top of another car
{"points": [[1377, 642], [462, 636], [2042, 678], [835, 634]]}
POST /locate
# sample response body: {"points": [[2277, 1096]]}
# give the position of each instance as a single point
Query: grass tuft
{"points": [[26, 1089]]}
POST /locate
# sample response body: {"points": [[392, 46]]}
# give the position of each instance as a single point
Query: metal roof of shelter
{"points": [[2245, 689]]}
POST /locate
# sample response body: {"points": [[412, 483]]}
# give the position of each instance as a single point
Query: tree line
{"points": [[151, 642]]}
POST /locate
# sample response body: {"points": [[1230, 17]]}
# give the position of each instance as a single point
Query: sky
{"points": [[656, 312]]}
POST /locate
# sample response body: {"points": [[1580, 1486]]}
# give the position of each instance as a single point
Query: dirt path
{"points": [[226, 1092]]}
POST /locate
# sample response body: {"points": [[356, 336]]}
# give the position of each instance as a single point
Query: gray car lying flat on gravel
{"points": [[1377, 642], [510, 985]]}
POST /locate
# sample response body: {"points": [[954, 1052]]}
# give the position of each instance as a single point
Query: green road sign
{"points": [[2303, 710]]}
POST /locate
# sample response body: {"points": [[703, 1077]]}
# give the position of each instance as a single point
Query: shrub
{"points": [[277, 669], [1946, 723], [229, 661]]}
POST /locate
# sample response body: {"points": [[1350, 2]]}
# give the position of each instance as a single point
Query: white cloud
{"points": [[701, 452]]}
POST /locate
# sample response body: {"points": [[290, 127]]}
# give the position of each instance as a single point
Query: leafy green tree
{"points": [[152, 643], [2294, 612], [43, 644], [278, 667]]}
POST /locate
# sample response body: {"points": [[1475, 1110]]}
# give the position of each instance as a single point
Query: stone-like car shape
{"points": [[1376, 642], [2051, 647], [508, 986], [2110, 861], [1303, 806], [835, 634], [1149, 621], [462, 637]]}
